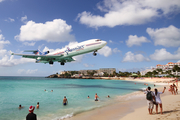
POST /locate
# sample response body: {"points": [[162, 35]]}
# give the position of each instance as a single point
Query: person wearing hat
{"points": [[31, 115]]}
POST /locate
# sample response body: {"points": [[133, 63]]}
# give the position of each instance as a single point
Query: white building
{"points": [[145, 71]]}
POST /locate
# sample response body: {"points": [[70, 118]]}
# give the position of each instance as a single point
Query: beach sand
{"points": [[126, 108]]}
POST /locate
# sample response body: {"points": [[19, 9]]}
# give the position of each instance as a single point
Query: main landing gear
{"points": [[95, 53], [51, 62], [62, 63]]}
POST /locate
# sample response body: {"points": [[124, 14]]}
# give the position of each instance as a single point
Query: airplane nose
{"points": [[104, 43]]}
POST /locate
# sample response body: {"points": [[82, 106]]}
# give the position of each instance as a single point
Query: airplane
{"points": [[65, 55]]}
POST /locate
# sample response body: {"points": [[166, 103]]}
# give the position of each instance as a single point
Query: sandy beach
{"points": [[134, 106]]}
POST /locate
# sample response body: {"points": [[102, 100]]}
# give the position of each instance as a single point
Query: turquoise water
{"points": [[28, 91]]}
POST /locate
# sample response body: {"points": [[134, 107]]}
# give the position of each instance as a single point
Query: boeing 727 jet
{"points": [[65, 55]]}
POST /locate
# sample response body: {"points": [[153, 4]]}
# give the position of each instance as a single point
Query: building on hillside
{"points": [[107, 70], [85, 72], [146, 71], [168, 66], [99, 74], [62, 72]]}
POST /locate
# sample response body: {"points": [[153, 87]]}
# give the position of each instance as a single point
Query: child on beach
{"points": [[158, 99]]}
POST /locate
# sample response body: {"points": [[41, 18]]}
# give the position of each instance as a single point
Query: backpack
{"points": [[149, 95]]}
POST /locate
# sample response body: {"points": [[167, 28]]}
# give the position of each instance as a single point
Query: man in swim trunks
{"points": [[65, 102], [96, 97]]}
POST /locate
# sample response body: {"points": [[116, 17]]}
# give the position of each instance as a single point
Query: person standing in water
{"points": [[37, 106], [96, 97], [65, 101]]}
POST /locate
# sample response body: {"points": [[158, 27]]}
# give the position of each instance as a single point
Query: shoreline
{"points": [[121, 109], [143, 79]]}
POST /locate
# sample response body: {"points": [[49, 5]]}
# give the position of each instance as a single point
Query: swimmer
{"points": [[88, 96], [96, 97], [45, 90], [65, 102], [51, 90], [20, 107], [108, 96], [37, 106]]}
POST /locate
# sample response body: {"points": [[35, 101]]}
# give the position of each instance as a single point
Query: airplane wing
{"points": [[46, 58], [36, 56]]}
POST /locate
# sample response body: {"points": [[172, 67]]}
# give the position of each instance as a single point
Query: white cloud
{"points": [[88, 65], [78, 58], [162, 54], [29, 43], [3, 41], [131, 57], [24, 19], [106, 51], [27, 72], [128, 12], [3, 52], [9, 20], [134, 40], [1, 0], [121, 41], [110, 41], [47, 49], [115, 50], [7, 61], [51, 31], [168, 37]]}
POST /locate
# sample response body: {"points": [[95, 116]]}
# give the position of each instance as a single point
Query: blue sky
{"points": [[140, 33]]}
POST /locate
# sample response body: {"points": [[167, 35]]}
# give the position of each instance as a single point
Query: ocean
{"points": [[28, 91]]}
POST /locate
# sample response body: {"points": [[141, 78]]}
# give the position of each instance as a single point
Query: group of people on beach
{"points": [[31, 115], [154, 98], [174, 88]]}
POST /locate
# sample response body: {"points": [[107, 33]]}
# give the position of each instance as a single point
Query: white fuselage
{"points": [[80, 48]]}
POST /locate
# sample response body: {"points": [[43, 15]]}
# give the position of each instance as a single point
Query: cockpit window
{"points": [[98, 40]]}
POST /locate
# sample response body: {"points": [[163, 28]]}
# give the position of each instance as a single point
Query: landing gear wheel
{"points": [[62, 63], [94, 54], [51, 62]]}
